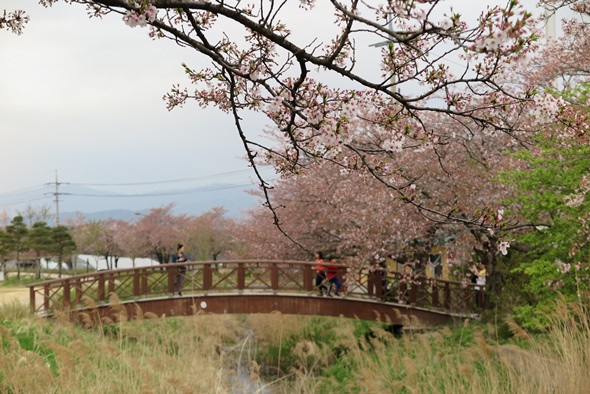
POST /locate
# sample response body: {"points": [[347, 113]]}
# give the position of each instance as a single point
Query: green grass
{"points": [[289, 354]]}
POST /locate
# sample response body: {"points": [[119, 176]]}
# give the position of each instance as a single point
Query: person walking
{"points": [[332, 275], [320, 277], [180, 273], [480, 282]]}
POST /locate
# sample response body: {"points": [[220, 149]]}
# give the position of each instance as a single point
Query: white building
{"points": [[98, 263]]}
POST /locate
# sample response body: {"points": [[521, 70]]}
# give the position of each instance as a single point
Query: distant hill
{"points": [[96, 204]]}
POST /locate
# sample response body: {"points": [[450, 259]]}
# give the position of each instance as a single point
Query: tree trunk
{"points": [[59, 258], [17, 267]]}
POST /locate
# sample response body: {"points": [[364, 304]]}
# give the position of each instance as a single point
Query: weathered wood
{"points": [[244, 286]]}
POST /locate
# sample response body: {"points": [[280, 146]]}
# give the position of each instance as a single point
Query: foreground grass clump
{"points": [[345, 356], [141, 356]]}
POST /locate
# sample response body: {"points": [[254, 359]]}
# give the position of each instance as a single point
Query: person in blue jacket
{"points": [[180, 274]]}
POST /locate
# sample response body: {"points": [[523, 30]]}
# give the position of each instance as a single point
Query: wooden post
{"points": [[274, 276], [101, 288], [144, 283], [111, 284], [135, 284], [207, 277], [46, 298], [447, 302], [371, 283], [413, 293], [66, 304], [378, 284], [171, 274], [307, 273], [241, 276], [78, 291], [434, 292], [32, 298]]}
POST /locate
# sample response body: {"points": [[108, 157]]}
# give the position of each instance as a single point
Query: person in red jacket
{"points": [[320, 277], [332, 275]]}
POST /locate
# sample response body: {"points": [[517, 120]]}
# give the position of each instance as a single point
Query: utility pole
{"points": [[550, 25], [56, 200], [389, 43], [56, 194], [550, 34]]}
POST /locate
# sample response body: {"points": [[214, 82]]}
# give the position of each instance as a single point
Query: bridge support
{"points": [[268, 303]]}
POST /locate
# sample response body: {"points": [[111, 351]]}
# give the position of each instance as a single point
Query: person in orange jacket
{"points": [[320, 277]]}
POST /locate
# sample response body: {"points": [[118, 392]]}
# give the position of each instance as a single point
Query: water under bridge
{"points": [[248, 286]]}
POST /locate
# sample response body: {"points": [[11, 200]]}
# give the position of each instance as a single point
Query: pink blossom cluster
{"points": [[503, 247], [14, 21], [146, 14]]}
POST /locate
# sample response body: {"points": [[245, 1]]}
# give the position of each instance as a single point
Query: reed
{"points": [[275, 353]]}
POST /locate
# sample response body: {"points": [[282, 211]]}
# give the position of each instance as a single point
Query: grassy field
{"points": [[289, 354], [7, 294]]}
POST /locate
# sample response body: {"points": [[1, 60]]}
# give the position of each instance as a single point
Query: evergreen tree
{"points": [[40, 241], [5, 249], [17, 230], [63, 243]]}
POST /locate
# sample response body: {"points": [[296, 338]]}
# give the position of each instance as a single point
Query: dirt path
{"points": [[19, 293]]}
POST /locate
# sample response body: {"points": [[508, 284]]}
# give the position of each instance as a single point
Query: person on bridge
{"points": [[332, 274], [180, 274], [480, 284], [320, 277]]}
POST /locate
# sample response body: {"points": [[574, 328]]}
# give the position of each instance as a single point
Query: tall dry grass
{"points": [[130, 356], [557, 361], [443, 361], [222, 354]]}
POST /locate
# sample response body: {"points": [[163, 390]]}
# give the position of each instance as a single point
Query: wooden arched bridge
{"points": [[255, 287]]}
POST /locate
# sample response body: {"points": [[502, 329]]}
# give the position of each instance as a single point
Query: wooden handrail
{"points": [[285, 276]]}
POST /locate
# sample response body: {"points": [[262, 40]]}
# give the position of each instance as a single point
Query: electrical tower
{"points": [[56, 194]]}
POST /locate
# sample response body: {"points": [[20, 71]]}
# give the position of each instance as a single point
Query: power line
{"points": [[22, 191], [200, 190], [23, 201], [165, 181], [57, 193]]}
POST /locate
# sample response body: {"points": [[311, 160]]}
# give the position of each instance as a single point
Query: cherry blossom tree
{"points": [[341, 212], [209, 236], [99, 238], [132, 240], [565, 62], [161, 230], [34, 215], [334, 212], [326, 99]]}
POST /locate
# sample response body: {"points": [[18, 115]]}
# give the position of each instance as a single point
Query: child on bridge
{"points": [[332, 274]]}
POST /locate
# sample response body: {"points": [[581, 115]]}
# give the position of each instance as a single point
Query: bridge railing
{"points": [[204, 278]]}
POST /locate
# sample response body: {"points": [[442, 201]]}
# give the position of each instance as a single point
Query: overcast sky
{"points": [[84, 97]]}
